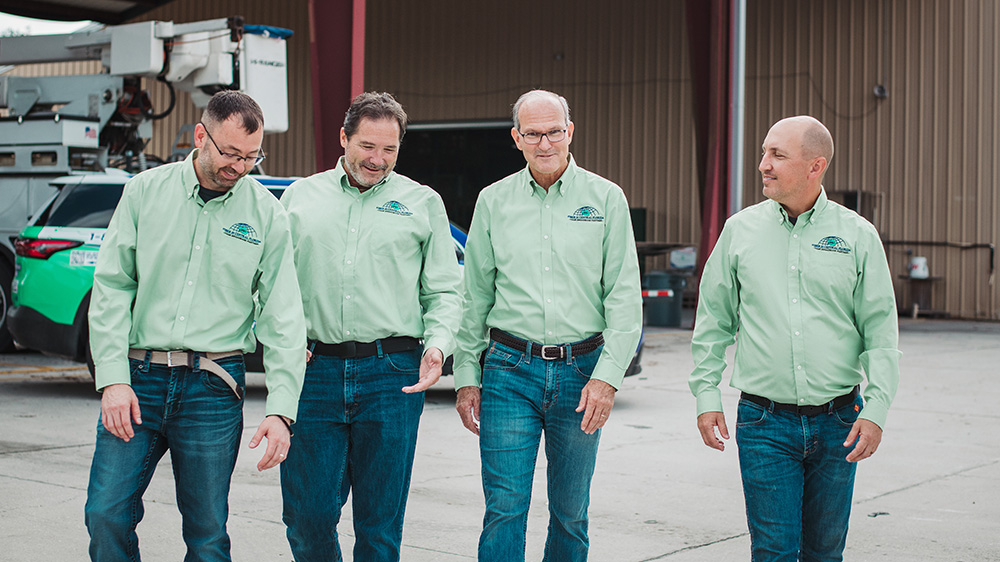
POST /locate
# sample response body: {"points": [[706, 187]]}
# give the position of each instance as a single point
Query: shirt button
{"points": [[204, 212], [548, 300], [799, 367], [546, 206], [793, 268], [550, 332], [348, 332], [348, 262], [197, 247], [181, 318], [190, 283], [802, 399], [795, 236], [546, 237], [348, 297], [796, 333], [354, 230], [793, 300]]}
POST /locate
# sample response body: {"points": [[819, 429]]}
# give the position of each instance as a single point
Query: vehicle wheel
{"points": [[6, 278]]}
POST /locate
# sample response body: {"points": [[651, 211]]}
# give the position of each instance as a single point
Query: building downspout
{"points": [[737, 107]]}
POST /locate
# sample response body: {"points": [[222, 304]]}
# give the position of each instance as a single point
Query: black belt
{"points": [[547, 352], [838, 402], [357, 349]]}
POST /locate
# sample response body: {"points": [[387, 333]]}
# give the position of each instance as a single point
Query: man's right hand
{"points": [[467, 404], [707, 423], [119, 407]]}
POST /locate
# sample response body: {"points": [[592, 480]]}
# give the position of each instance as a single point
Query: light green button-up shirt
{"points": [[176, 273], [551, 267], [812, 303], [376, 264]]}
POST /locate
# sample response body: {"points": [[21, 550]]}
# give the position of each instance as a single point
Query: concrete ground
{"points": [[931, 493]]}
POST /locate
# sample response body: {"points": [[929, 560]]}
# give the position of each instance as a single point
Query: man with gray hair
{"points": [[552, 303], [805, 284], [379, 277]]}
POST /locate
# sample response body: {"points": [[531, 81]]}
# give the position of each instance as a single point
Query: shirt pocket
{"points": [[233, 262], [581, 244], [397, 237]]}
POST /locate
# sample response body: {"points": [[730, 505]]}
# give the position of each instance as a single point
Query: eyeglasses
{"points": [[234, 158], [554, 136]]}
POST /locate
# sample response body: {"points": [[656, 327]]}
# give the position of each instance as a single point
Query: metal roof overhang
{"points": [[104, 11]]}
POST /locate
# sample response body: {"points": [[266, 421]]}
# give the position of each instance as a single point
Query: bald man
{"points": [[804, 283]]}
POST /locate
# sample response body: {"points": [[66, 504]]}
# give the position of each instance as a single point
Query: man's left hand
{"points": [[868, 436], [278, 441], [596, 401], [430, 370]]}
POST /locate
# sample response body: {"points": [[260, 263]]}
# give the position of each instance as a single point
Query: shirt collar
{"points": [[561, 185], [809, 216], [191, 184], [340, 175]]}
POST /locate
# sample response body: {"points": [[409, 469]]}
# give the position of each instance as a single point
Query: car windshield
{"points": [[86, 205]]}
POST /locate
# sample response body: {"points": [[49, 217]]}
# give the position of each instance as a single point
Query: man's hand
{"points": [[868, 436], [467, 404], [707, 423], [119, 407], [278, 440], [596, 400], [430, 370]]}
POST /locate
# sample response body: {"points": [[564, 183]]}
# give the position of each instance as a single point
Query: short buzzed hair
{"points": [[227, 103], [538, 94], [816, 140], [375, 106]]}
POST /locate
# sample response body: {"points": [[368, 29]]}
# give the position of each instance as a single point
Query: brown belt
{"points": [[206, 362]]}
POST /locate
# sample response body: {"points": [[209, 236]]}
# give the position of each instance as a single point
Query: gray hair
{"points": [[533, 94]]}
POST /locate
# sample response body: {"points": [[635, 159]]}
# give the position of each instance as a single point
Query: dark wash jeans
{"points": [[356, 432], [197, 417], [523, 396], [797, 482]]}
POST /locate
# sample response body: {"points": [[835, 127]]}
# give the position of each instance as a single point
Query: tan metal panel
{"points": [[926, 153], [622, 67]]}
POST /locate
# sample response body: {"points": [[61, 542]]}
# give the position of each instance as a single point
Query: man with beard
{"points": [[190, 248], [377, 267]]}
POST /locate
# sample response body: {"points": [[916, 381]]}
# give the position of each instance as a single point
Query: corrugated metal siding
{"points": [[622, 67], [929, 149], [289, 154]]}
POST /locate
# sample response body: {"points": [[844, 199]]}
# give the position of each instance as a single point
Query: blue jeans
{"points": [[522, 396], [356, 431], [197, 417], [797, 484]]}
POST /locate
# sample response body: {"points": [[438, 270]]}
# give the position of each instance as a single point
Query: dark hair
{"points": [[227, 103], [375, 106]]}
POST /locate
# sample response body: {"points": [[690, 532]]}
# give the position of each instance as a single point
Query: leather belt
{"points": [[838, 402], [206, 362], [547, 352], [358, 350]]}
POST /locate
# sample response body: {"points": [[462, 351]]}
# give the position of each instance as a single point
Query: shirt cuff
{"points": [[710, 401], [114, 372], [875, 412], [467, 375]]}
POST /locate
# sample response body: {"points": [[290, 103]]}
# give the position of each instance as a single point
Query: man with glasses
{"points": [[552, 296], [379, 278], [193, 249]]}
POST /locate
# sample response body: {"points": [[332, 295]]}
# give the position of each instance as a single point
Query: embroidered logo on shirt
{"points": [[833, 244], [242, 231], [586, 214], [394, 207]]}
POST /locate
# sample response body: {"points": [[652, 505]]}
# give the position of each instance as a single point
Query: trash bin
{"points": [[663, 295]]}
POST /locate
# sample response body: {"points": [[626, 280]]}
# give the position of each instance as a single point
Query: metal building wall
{"points": [[926, 153], [289, 154], [622, 66]]}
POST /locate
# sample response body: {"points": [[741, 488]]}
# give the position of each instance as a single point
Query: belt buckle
{"points": [[557, 348], [170, 359]]}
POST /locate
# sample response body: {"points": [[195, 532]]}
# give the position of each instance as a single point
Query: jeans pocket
{"points": [[216, 385], [407, 362], [749, 414], [500, 360], [848, 414], [583, 365]]}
